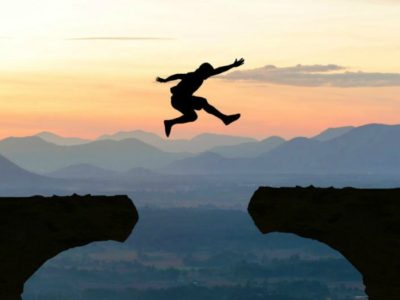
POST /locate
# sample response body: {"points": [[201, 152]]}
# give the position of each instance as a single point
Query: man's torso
{"points": [[188, 85]]}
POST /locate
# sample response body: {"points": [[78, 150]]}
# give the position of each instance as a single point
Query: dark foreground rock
{"points": [[362, 224], [33, 230]]}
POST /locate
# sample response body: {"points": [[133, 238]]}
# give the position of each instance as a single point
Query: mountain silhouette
{"points": [[200, 143], [37, 155], [369, 149], [215, 140], [59, 140], [12, 174], [332, 133], [365, 149], [17, 181], [145, 136], [250, 149]]}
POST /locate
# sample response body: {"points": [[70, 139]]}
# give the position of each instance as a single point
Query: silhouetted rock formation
{"points": [[362, 224], [36, 229]]}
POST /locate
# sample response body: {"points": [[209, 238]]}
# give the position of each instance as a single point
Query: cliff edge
{"points": [[33, 230], [362, 224]]}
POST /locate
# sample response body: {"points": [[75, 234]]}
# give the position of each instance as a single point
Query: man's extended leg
{"points": [[186, 118], [201, 103]]}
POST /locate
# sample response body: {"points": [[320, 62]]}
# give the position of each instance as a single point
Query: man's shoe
{"points": [[167, 127], [232, 118]]}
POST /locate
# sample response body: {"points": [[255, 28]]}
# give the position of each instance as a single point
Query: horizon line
{"points": [[193, 136]]}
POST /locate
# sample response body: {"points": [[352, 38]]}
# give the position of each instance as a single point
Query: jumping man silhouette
{"points": [[184, 101]]}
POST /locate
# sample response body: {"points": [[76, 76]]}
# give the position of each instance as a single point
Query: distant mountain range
{"points": [[369, 149], [249, 149], [332, 133], [16, 181], [48, 153], [11, 173], [199, 143], [226, 145], [37, 155], [59, 140]]}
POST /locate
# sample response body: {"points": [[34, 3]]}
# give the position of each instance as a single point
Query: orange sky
{"points": [[51, 79], [89, 106]]}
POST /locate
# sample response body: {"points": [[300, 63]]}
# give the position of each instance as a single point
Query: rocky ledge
{"points": [[362, 224], [35, 229]]}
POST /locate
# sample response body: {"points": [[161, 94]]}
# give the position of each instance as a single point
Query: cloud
{"points": [[316, 75], [118, 38]]}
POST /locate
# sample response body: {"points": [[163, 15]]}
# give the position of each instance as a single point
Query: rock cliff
{"points": [[33, 230], [362, 224]]}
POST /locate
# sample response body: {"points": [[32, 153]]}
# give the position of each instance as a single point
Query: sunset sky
{"points": [[87, 67]]}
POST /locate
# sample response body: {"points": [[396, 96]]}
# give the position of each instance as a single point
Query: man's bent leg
{"points": [[201, 103], [186, 118]]}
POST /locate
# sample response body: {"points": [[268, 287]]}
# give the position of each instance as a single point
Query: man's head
{"points": [[205, 69]]}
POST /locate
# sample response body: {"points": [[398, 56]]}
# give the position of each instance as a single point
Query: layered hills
{"points": [[369, 150]]}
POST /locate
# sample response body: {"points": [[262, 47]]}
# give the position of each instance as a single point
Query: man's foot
{"points": [[232, 118], [168, 127]]}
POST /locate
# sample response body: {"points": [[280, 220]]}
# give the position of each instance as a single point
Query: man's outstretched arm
{"points": [[170, 78], [223, 69]]}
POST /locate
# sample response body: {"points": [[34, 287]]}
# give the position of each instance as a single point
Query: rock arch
{"points": [[35, 229], [362, 224]]}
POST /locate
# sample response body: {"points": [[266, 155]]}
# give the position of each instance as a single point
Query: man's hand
{"points": [[159, 79], [238, 63]]}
